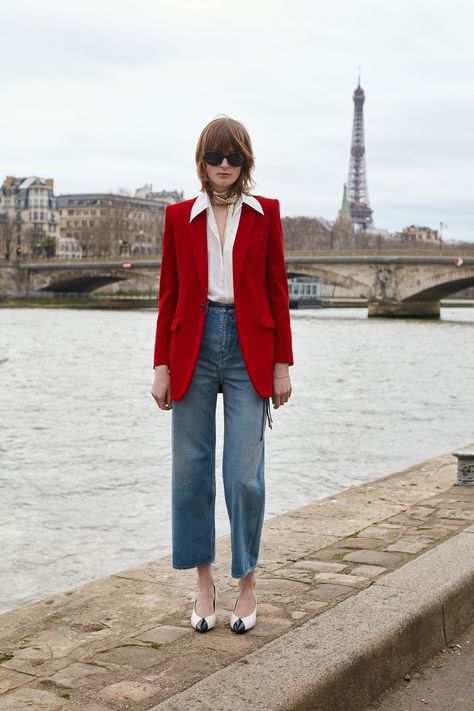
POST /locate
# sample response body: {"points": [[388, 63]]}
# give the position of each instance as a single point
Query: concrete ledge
{"points": [[353, 589], [445, 573], [355, 650]]}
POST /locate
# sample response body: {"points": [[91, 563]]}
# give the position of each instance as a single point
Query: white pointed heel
{"points": [[203, 624], [242, 624]]}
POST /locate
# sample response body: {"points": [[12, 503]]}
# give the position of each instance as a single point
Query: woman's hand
{"points": [[161, 387], [281, 384]]}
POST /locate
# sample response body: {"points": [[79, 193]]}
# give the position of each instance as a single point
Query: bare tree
{"points": [[97, 240], [7, 236], [305, 233], [343, 233]]}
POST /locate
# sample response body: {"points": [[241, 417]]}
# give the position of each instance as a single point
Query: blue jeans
{"points": [[193, 434]]}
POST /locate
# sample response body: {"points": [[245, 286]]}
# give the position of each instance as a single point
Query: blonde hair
{"points": [[223, 135]]}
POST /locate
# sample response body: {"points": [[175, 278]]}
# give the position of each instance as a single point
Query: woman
{"points": [[223, 326]]}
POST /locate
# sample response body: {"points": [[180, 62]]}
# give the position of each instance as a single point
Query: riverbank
{"points": [[79, 302], [124, 302], [352, 591]]}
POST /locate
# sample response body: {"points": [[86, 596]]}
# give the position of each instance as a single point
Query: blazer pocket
{"points": [[174, 323], [267, 321]]}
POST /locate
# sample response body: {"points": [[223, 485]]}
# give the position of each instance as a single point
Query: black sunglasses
{"points": [[234, 158]]}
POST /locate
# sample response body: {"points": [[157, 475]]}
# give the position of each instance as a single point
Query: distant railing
{"points": [[48, 294], [75, 295], [389, 252], [387, 249]]}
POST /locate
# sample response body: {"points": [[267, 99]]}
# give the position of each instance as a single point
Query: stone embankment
{"points": [[353, 590]]}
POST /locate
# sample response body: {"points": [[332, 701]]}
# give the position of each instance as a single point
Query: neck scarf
{"points": [[226, 197]]}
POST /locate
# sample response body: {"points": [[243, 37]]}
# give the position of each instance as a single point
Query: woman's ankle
{"points": [[205, 576], [249, 582]]}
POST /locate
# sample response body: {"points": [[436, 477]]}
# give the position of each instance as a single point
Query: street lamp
{"points": [[441, 225]]}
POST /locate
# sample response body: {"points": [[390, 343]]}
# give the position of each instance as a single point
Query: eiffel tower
{"points": [[357, 191]]}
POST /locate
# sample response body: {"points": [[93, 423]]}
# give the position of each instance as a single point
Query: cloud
{"points": [[104, 94]]}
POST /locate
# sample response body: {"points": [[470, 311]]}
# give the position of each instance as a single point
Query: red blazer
{"points": [[260, 294]]}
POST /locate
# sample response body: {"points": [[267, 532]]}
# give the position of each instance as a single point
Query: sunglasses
{"points": [[234, 158]]}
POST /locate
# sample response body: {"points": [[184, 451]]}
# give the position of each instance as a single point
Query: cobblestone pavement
{"points": [[444, 684], [125, 642]]}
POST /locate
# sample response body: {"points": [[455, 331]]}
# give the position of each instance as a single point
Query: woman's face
{"points": [[223, 176]]}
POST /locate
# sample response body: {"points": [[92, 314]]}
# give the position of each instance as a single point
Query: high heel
{"points": [[242, 624], [203, 624]]}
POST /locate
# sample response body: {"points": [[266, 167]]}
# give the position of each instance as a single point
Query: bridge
{"points": [[404, 284]]}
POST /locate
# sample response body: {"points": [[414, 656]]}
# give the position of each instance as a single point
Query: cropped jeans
{"points": [[193, 433]]}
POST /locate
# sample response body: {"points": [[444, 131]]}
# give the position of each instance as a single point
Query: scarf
{"points": [[226, 197]]}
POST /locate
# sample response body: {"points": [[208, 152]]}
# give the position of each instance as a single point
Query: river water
{"points": [[85, 459]]}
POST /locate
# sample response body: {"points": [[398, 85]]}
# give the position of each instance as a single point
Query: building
{"points": [[166, 197], [30, 215], [35, 223], [69, 248], [104, 224], [415, 233]]}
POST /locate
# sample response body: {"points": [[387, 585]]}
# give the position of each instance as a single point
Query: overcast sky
{"points": [[106, 94]]}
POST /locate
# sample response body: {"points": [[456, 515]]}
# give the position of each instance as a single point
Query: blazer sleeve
{"points": [[168, 293], [277, 288]]}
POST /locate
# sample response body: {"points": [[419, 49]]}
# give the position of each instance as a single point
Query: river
{"points": [[85, 459]]}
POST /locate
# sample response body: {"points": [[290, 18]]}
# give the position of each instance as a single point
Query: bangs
{"points": [[222, 138]]}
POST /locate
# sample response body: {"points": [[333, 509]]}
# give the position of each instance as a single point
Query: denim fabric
{"points": [[193, 433]]}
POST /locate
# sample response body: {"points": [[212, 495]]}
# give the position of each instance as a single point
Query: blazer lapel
{"points": [[242, 239], [198, 239]]}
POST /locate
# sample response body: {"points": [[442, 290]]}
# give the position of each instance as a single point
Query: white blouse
{"points": [[220, 277]]}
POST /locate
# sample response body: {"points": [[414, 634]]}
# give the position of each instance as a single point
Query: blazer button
{"points": [[202, 307]]}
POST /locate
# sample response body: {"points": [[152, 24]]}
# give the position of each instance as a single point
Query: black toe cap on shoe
{"points": [[202, 625], [239, 626]]}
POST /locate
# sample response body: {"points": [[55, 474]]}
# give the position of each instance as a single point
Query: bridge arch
{"points": [[80, 283], [441, 284], [86, 281]]}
